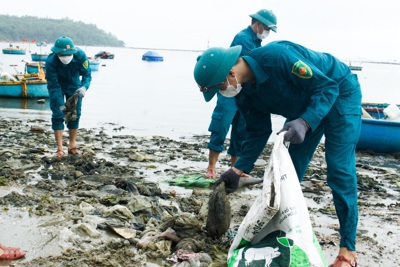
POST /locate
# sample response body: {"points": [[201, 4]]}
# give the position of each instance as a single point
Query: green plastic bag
{"points": [[195, 180]]}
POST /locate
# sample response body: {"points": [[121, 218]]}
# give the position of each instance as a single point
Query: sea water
{"points": [[161, 98]]}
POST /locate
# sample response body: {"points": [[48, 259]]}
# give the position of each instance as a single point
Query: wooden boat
{"points": [[23, 86], [14, 51], [378, 133], [39, 57]]}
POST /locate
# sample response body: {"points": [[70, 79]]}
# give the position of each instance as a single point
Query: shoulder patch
{"points": [[85, 64], [302, 70]]}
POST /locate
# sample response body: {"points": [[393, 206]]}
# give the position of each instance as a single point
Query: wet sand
{"points": [[114, 207]]}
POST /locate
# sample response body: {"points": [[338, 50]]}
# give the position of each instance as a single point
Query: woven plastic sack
{"points": [[194, 180], [277, 230]]}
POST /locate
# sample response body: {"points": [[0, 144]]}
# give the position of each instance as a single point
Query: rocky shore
{"points": [[113, 206]]}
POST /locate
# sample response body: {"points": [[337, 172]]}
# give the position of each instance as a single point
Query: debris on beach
{"points": [[112, 207]]}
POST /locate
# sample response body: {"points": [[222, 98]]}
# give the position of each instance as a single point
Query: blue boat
{"points": [[39, 57], [33, 67], [14, 51], [41, 44], [378, 133], [94, 64], [29, 86], [152, 56]]}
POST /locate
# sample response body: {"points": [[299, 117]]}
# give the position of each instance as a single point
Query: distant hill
{"points": [[29, 28]]}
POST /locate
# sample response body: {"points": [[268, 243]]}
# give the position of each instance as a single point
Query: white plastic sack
{"points": [[277, 230]]}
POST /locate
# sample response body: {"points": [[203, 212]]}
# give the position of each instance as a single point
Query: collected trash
{"points": [[70, 108], [219, 212], [195, 179], [392, 112]]}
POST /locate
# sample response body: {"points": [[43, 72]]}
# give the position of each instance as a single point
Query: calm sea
{"points": [[160, 98]]}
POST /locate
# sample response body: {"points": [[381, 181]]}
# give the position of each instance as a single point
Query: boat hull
{"points": [[104, 55], [33, 68], [14, 51], [94, 65], [24, 89], [378, 134], [39, 57]]}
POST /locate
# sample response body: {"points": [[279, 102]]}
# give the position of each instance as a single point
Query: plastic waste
{"points": [[392, 112], [196, 180]]}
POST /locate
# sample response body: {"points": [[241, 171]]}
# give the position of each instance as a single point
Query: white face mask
{"points": [[66, 59], [230, 90], [263, 35]]}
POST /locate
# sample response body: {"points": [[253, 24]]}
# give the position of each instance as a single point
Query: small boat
{"points": [[39, 57], [355, 67], [94, 64], [104, 55], [380, 132], [14, 50], [27, 86], [152, 56], [41, 44], [33, 67]]}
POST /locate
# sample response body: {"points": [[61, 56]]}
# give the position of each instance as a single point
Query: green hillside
{"points": [[28, 28]]}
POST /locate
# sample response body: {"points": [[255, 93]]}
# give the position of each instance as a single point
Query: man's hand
{"points": [[231, 179], [296, 131], [81, 91]]}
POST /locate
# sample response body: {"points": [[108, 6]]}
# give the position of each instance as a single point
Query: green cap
{"points": [[266, 17], [213, 66], [64, 46]]}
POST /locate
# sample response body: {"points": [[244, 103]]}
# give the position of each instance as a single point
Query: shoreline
{"points": [[63, 212]]}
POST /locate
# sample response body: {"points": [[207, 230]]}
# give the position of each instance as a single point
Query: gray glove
{"points": [[231, 179], [296, 131], [81, 91]]}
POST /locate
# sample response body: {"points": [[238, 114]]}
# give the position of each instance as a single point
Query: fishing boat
{"points": [[39, 57], [152, 56], [355, 67], [14, 50], [94, 64], [104, 55], [23, 86], [380, 128], [41, 43], [34, 67]]}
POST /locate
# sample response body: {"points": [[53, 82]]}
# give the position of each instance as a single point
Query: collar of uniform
{"points": [[254, 36], [260, 76]]}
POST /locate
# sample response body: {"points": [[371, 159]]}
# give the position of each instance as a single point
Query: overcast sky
{"points": [[349, 29]]}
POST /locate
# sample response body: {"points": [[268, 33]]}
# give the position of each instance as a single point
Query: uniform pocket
{"points": [[217, 115]]}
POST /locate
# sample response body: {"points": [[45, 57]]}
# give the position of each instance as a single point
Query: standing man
{"points": [[317, 94], [226, 111], [67, 73]]}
